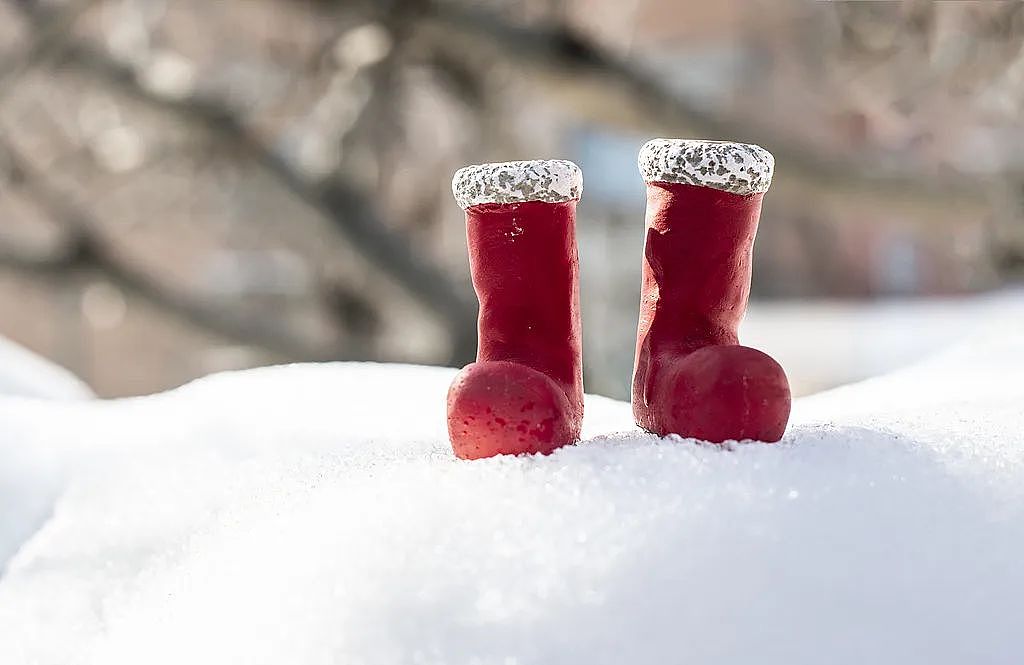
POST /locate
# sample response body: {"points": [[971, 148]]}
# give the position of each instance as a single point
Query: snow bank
{"points": [[823, 343], [24, 373], [284, 515]]}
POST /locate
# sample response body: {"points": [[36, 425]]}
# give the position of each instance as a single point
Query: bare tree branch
{"points": [[84, 249], [42, 264], [597, 85], [336, 199], [48, 39]]}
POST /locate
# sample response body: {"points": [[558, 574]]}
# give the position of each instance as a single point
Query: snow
{"points": [[24, 373], [315, 514], [823, 344]]}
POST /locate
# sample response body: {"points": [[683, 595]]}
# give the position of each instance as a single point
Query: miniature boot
{"points": [[524, 393], [691, 377]]}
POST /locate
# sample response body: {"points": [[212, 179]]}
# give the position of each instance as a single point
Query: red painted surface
{"points": [[524, 393], [691, 376]]}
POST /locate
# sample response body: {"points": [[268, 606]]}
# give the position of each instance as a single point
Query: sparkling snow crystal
{"points": [[315, 514]]}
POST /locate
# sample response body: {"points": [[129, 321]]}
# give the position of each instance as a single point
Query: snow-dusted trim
{"points": [[547, 180], [738, 168]]}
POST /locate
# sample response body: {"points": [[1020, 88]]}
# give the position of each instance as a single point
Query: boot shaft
{"points": [[703, 205], [525, 269], [521, 232], [697, 261]]}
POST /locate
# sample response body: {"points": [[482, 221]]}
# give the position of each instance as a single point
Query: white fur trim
{"points": [[738, 168], [547, 180]]}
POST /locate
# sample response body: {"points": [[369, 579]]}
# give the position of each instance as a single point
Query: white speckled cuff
{"points": [[547, 180], [738, 168]]}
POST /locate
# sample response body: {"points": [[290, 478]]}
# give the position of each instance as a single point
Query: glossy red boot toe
{"points": [[504, 408], [721, 393]]}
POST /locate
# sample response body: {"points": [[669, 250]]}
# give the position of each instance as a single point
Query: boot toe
{"points": [[504, 408], [722, 393]]}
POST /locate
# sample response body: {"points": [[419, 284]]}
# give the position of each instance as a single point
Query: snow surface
{"points": [[24, 373], [315, 514]]}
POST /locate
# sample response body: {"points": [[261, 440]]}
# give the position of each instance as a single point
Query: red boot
{"points": [[691, 376], [524, 393]]}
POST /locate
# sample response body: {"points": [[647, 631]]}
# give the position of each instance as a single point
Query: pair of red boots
{"points": [[524, 394]]}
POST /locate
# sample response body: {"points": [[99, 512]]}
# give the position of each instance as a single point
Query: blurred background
{"points": [[190, 186]]}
